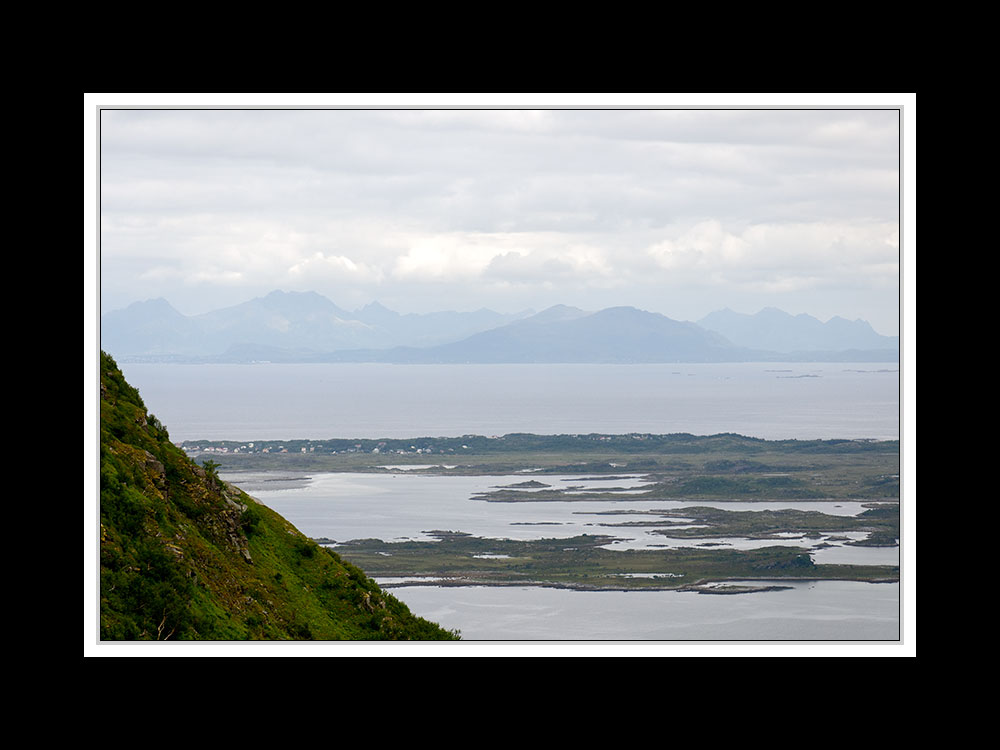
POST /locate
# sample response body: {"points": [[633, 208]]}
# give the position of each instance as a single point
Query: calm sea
{"points": [[812, 611], [318, 401], [402, 505], [773, 401]]}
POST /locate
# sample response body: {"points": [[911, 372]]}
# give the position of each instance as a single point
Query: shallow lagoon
{"points": [[401, 505], [766, 400], [405, 506]]}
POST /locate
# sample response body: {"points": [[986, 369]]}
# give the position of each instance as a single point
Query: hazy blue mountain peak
{"points": [[298, 303], [306, 326], [771, 312], [626, 310], [558, 312], [144, 312], [773, 329], [376, 312], [158, 305]]}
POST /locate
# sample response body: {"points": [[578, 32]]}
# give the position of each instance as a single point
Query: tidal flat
{"points": [[585, 563], [753, 510]]}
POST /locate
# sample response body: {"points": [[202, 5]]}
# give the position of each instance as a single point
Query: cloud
{"points": [[500, 257], [451, 257], [320, 267], [780, 257], [471, 203], [530, 267], [705, 246], [855, 130], [574, 263]]}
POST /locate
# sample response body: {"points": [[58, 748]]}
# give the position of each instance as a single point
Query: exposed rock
{"points": [[157, 469]]}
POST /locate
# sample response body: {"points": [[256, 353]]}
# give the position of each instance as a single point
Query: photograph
{"points": [[499, 374]]}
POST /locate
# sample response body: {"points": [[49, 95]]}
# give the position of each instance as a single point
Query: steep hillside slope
{"points": [[185, 556]]}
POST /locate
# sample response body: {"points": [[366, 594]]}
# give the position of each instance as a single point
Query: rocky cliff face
{"points": [[184, 555]]}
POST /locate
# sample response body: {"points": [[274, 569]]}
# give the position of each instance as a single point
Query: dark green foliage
{"points": [[250, 520], [184, 556], [305, 548], [152, 594], [211, 469]]}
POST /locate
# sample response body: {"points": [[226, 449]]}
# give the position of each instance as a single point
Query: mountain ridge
{"points": [[303, 321], [776, 330], [615, 334], [307, 327]]}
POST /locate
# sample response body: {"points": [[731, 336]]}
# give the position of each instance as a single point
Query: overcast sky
{"points": [[681, 212]]}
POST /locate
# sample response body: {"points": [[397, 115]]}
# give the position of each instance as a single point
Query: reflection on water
{"points": [[807, 611], [765, 400], [394, 507]]}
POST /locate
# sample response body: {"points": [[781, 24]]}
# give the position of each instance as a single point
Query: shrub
{"points": [[250, 520]]}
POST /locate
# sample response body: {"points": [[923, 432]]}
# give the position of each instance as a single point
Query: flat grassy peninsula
{"points": [[717, 469], [679, 466]]}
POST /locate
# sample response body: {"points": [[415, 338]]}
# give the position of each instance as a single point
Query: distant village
{"points": [[314, 446], [428, 445], [634, 442]]}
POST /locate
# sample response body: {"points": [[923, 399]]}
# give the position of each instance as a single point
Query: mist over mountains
{"points": [[775, 330], [308, 327]]}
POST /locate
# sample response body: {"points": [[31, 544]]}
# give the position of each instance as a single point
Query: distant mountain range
{"points": [[301, 323], [307, 327], [775, 330]]}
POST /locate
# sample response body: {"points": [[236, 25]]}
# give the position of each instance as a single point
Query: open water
{"points": [[318, 401], [829, 611], [772, 401], [401, 505]]}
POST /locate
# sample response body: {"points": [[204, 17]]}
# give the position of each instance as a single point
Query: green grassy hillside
{"points": [[185, 556]]}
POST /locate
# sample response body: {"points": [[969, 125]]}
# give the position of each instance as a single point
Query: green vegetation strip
{"points": [[185, 556], [717, 467], [880, 521], [583, 562]]}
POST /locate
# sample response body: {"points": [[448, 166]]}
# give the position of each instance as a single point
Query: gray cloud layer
{"points": [[681, 212]]}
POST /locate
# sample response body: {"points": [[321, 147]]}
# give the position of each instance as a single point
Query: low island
{"points": [[716, 469]]}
